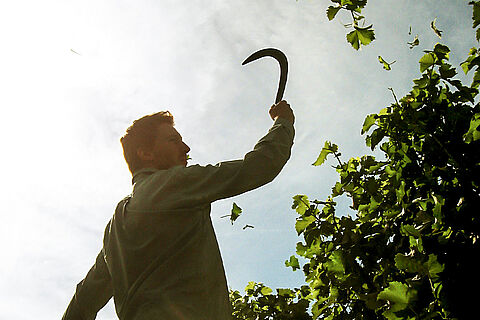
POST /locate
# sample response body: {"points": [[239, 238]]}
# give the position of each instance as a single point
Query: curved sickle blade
{"points": [[282, 60]]}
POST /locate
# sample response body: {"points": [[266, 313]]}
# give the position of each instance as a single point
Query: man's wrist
{"points": [[283, 119]]}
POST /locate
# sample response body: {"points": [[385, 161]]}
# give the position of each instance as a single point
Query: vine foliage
{"points": [[408, 250]]}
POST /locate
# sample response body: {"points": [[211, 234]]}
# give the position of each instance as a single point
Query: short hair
{"points": [[141, 135]]}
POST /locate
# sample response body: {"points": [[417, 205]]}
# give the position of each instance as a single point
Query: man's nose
{"points": [[186, 147]]}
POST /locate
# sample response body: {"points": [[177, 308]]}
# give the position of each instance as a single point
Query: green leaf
{"points": [[266, 291], [289, 293], [365, 35], [410, 230], [472, 61], [301, 250], [250, 286], [236, 211], [434, 28], [441, 51], [371, 186], [335, 263], [437, 208], [476, 14], [390, 315], [415, 42], [375, 138], [400, 191], [433, 266], [427, 61], [422, 82], [293, 262], [399, 294], [337, 189], [446, 71], [473, 132], [361, 36], [332, 12], [408, 263], [386, 65], [326, 150], [300, 204], [369, 122], [303, 223]]}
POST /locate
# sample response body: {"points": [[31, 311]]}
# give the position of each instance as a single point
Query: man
{"points": [[160, 257]]}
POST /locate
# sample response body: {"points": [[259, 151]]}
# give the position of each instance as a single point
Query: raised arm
{"points": [[182, 187]]}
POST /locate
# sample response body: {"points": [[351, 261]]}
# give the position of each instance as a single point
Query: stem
{"points": [[305, 203], [338, 158], [353, 18], [394, 96]]}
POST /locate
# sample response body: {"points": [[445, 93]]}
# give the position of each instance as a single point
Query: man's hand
{"points": [[282, 110]]}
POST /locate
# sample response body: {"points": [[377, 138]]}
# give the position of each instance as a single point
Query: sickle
{"points": [[282, 60]]}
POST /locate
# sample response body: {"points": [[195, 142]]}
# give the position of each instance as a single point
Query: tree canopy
{"points": [[408, 251]]}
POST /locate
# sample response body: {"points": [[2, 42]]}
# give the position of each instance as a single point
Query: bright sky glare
{"points": [[75, 74]]}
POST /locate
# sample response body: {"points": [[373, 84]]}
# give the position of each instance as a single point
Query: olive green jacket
{"points": [[160, 257]]}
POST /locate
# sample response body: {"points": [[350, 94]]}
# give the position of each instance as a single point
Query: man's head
{"points": [[153, 142]]}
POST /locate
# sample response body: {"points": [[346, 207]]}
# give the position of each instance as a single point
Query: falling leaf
{"points": [[414, 43], [236, 211], [386, 65], [434, 28]]}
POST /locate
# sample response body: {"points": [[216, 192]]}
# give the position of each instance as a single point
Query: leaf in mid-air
{"points": [[414, 43], [236, 211], [434, 28], [386, 65]]}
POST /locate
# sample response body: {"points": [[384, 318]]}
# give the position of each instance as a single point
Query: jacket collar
{"points": [[139, 174]]}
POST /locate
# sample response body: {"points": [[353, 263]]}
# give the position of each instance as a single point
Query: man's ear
{"points": [[145, 155]]}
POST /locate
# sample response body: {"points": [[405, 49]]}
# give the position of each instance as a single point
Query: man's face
{"points": [[169, 149]]}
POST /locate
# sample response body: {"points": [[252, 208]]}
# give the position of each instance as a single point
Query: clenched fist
{"points": [[282, 110]]}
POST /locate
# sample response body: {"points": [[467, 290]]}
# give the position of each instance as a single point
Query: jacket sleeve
{"points": [[195, 185], [92, 293]]}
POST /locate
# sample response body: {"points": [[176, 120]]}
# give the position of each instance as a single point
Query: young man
{"points": [[160, 257]]}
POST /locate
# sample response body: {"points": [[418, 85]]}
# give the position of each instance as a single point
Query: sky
{"points": [[75, 74]]}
